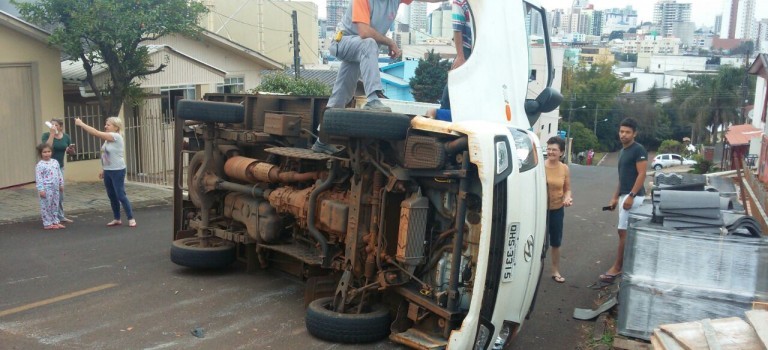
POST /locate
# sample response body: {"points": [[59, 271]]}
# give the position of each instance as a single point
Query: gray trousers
{"points": [[359, 57]]}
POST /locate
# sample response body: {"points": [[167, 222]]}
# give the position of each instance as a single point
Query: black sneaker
{"points": [[376, 106]]}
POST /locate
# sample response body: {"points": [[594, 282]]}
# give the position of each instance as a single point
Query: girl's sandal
{"points": [[59, 226], [51, 227], [115, 223]]}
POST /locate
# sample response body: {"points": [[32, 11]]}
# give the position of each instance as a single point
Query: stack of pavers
{"points": [[684, 202], [684, 264]]}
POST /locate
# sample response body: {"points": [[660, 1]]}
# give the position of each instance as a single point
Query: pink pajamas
{"points": [[49, 179]]}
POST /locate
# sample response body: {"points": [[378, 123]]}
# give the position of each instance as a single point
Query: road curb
{"points": [[134, 205]]}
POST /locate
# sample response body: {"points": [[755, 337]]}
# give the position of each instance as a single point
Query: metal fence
{"points": [[754, 194], [87, 146], [149, 144], [148, 134]]}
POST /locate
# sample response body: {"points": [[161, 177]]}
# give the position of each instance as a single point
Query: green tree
{"points": [[596, 88], [113, 33], [430, 77], [671, 146], [583, 138], [714, 101], [281, 82]]}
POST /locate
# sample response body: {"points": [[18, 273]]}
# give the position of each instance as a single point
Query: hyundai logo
{"points": [[528, 253]]}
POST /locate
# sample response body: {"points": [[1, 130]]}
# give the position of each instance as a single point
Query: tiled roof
{"points": [[741, 134]]}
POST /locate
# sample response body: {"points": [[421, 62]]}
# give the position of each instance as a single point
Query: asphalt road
{"points": [[93, 287]]}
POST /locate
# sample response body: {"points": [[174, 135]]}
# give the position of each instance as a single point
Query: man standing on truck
{"points": [[356, 43], [633, 160]]}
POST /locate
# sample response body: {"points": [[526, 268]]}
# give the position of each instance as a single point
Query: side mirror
{"points": [[548, 100]]}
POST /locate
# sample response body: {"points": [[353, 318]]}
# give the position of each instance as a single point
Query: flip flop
{"points": [[609, 278], [114, 223], [558, 278]]}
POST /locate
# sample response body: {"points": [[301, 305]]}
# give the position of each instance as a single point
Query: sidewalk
{"points": [[21, 203]]}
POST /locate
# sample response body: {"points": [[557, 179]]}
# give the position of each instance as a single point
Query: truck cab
{"points": [[428, 231]]}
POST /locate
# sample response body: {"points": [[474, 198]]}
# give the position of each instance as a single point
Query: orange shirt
{"points": [[558, 183]]}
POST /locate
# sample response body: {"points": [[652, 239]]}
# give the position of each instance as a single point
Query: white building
{"points": [[761, 39], [668, 12], [440, 23], [684, 31], [665, 63]]}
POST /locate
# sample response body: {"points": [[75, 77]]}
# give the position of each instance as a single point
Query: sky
{"points": [[703, 12]]}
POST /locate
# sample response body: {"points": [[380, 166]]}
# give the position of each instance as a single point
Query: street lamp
{"points": [[594, 127]]}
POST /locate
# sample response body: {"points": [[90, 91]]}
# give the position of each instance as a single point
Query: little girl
{"points": [[50, 183]]}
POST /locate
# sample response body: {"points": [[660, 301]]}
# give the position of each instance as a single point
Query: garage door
{"points": [[17, 126]]}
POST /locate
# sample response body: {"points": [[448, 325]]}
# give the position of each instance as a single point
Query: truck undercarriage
{"points": [[386, 233]]}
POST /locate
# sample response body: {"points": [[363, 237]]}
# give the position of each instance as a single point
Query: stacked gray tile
{"points": [[673, 276]]}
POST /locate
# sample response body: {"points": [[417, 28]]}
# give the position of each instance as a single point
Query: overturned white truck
{"points": [[431, 232]]}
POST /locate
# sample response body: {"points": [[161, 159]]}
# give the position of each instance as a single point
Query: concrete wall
{"points": [[266, 26], [47, 97], [660, 64]]}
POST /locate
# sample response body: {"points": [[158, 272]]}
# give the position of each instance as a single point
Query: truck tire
{"points": [[365, 124], [332, 326], [188, 252], [208, 111]]}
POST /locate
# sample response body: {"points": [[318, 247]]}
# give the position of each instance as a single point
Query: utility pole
{"points": [[296, 56], [594, 127]]}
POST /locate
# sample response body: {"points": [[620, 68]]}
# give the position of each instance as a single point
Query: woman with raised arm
{"points": [[113, 167]]}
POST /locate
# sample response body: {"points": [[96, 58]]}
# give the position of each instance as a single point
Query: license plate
{"points": [[509, 251]]}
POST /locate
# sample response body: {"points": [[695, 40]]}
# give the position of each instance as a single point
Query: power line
{"points": [[250, 24]]}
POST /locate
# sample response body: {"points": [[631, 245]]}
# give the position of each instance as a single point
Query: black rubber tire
{"points": [[208, 111], [187, 252], [365, 124], [657, 167], [346, 328], [194, 165]]}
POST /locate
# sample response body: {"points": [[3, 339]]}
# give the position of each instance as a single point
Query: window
{"points": [[234, 85]]}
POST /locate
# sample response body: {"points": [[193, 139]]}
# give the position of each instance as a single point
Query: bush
{"points": [[702, 166], [671, 146], [280, 82]]}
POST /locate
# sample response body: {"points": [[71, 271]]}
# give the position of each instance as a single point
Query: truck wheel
{"points": [[208, 111], [189, 252], [365, 124], [329, 325]]}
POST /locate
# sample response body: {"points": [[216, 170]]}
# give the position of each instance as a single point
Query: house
{"points": [[760, 68], [396, 78], [30, 94], [194, 67], [740, 142]]}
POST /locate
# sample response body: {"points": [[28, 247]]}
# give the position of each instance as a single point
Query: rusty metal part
{"points": [[301, 153], [252, 170], [332, 208], [458, 145], [311, 213], [260, 219]]}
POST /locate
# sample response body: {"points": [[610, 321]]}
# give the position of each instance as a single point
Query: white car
{"points": [[666, 160]]}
